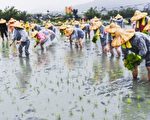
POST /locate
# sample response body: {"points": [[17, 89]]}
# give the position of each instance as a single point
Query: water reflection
{"points": [[5, 49], [139, 106], [91, 83], [74, 58], [42, 58], [24, 74]]}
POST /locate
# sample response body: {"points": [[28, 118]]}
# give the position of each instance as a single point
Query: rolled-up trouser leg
{"points": [[20, 49], [27, 44]]}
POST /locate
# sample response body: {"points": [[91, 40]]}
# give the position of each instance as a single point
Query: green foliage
{"points": [[125, 12], [95, 38], [132, 61], [12, 12], [91, 13]]}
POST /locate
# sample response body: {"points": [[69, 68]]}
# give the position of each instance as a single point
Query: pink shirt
{"points": [[41, 37]]}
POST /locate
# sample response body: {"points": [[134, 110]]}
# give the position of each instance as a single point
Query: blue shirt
{"points": [[140, 45]]}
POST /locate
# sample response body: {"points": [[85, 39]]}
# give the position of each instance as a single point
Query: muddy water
{"points": [[70, 84]]}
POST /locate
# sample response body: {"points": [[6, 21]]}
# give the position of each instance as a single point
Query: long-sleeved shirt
{"points": [[140, 45], [87, 28], [77, 34], [38, 27], [41, 37], [53, 29], [119, 22], [49, 33], [20, 34]]}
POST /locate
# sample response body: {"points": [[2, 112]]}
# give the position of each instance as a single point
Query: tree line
{"points": [[105, 15], [12, 12]]}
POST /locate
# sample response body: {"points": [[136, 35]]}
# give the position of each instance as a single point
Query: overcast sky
{"points": [[40, 5]]}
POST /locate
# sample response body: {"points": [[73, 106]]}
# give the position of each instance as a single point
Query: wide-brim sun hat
{"points": [[2, 21], [62, 27], [82, 26], [96, 25], [95, 19], [138, 15], [34, 33], [122, 36], [118, 16], [17, 24], [68, 31], [147, 27], [48, 25], [112, 28], [76, 23], [32, 25]]}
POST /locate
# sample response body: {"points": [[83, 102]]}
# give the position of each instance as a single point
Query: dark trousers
{"points": [[4, 33], [26, 45]]}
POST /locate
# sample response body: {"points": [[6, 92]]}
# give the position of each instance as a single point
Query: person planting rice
{"points": [[86, 28], [119, 20], [50, 26], [49, 33], [22, 38], [40, 38], [75, 33], [3, 29], [11, 26], [62, 29], [99, 33], [110, 29], [136, 42], [141, 19]]}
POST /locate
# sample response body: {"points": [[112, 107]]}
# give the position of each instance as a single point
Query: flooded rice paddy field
{"points": [[70, 84]]}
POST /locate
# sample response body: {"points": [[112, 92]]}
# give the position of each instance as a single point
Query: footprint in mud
{"points": [[35, 118], [30, 111]]}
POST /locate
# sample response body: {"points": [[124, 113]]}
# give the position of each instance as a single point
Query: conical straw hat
{"points": [[2, 21], [32, 25], [112, 28], [96, 25], [34, 33], [118, 16], [138, 15], [95, 19], [68, 31], [82, 26], [62, 27], [76, 23], [48, 25], [122, 36]]}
